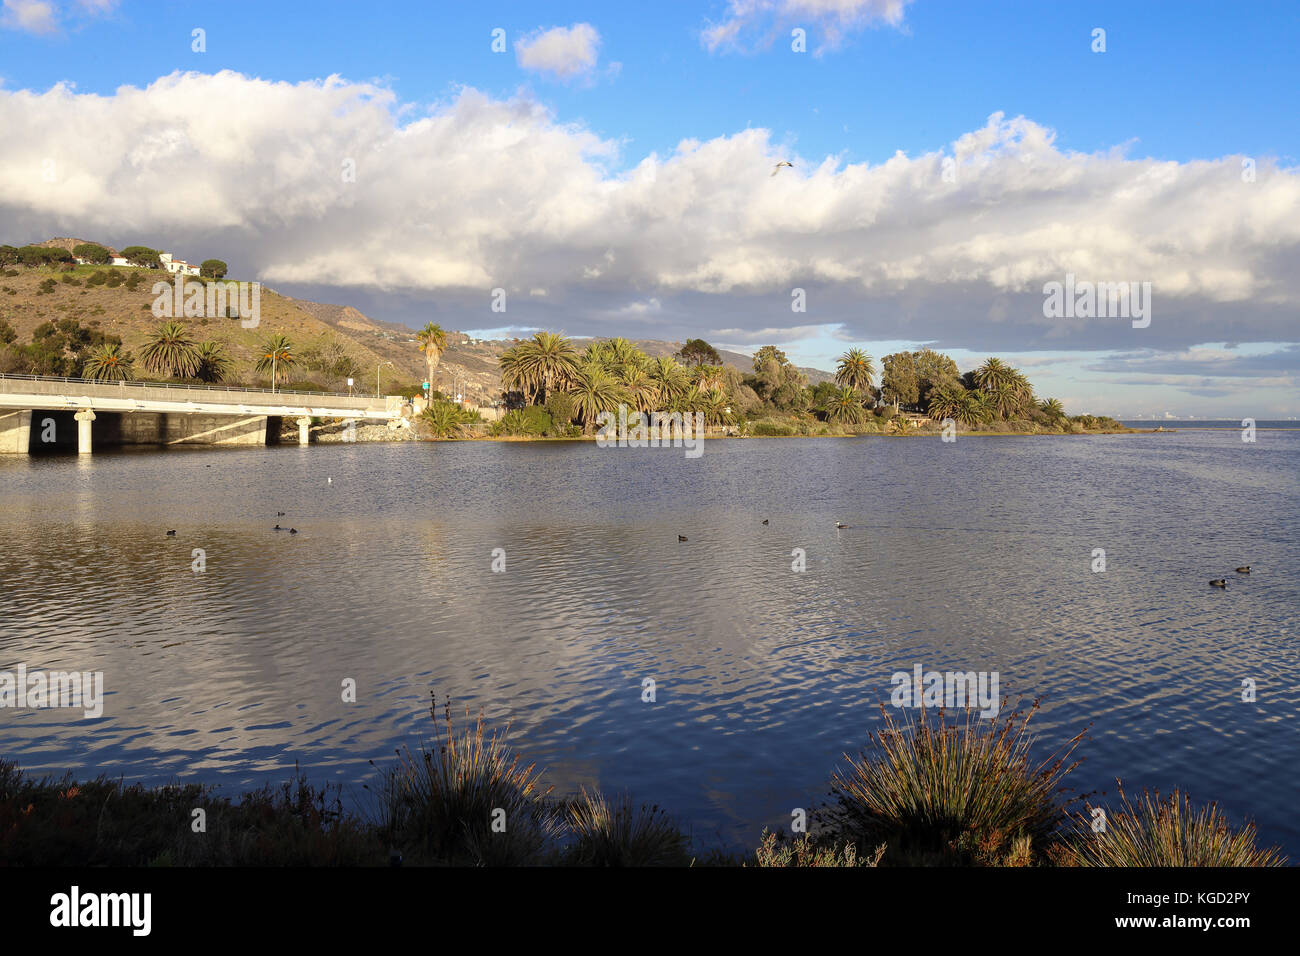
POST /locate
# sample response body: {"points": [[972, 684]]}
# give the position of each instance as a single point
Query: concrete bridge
{"points": [[38, 413]]}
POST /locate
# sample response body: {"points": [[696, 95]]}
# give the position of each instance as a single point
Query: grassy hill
{"points": [[321, 333]]}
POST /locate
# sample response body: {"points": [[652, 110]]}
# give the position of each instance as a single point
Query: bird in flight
{"points": [[777, 168]]}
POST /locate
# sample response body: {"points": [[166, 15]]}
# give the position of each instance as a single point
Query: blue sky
{"points": [[1180, 95]]}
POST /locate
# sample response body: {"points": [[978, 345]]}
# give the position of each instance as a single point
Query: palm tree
{"points": [[716, 407], [108, 364], [276, 356], [641, 391], [670, 379], [433, 342], [1052, 408], [444, 419], [513, 376], [855, 370], [594, 391], [546, 361], [845, 406], [171, 351], [214, 364], [947, 402]]}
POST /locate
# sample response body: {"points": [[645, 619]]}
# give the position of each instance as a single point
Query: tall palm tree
{"points": [[594, 391], [171, 351], [214, 363], [547, 361], [856, 369], [1052, 408], [275, 355], [433, 342], [109, 363]]}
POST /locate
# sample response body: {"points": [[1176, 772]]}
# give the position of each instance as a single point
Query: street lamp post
{"points": [[377, 368]]}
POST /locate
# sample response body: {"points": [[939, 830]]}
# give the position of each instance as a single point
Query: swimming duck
{"points": [[1218, 583], [1244, 569]]}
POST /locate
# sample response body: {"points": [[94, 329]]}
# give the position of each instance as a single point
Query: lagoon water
{"points": [[975, 555]]}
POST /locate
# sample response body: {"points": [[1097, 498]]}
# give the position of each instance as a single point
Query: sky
{"points": [[610, 169]]}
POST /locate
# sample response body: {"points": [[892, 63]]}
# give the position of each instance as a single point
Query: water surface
{"points": [[974, 555]]}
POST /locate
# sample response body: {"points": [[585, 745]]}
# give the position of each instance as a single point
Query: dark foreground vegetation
{"points": [[925, 792]]}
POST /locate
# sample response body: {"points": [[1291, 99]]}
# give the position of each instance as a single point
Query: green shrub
{"points": [[447, 419], [1166, 833], [562, 407], [767, 428], [98, 277], [525, 422]]}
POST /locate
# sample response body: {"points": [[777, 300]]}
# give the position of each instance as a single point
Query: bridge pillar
{"points": [[304, 430], [15, 431], [84, 418]]}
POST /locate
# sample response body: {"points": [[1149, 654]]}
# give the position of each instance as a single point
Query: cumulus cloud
{"points": [[29, 16], [750, 24], [477, 193], [563, 52]]}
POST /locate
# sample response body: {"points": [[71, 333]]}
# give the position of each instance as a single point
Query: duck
{"points": [[840, 526], [277, 528], [764, 521], [681, 537], [171, 534], [1244, 569], [279, 514], [293, 530], [1218, 583]]}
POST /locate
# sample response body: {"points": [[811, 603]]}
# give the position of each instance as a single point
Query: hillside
{"points": [[315, 328]]}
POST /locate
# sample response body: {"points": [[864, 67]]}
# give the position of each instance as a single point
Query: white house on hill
{"points": [[177, 265]]}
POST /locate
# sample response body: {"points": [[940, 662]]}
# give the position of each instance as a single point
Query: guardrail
{"points": [[136, 383]]}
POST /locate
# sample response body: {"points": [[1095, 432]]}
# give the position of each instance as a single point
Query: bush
{"points": [[776, 851], [767, 428], [106, 823], [1166, 833], [532, 421], [442, 800], [562, 407], [623, 835], [47, 286], [952, 794], [446, 419], [98, 277]]}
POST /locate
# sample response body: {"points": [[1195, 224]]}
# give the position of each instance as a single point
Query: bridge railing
{"points": [[136, 383]]}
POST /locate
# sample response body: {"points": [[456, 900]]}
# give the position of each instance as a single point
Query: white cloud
{"points": [[750, 23], [564, 52], [480, 193], [29, 16]]}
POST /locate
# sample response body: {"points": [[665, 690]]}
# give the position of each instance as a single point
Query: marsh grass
{"points": [[777, 851], [103, 822], [448, 800], [1165, 832], [962, 793], [621, 833]]}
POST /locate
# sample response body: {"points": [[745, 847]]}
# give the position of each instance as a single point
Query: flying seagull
{"points": [[777, 168]]}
